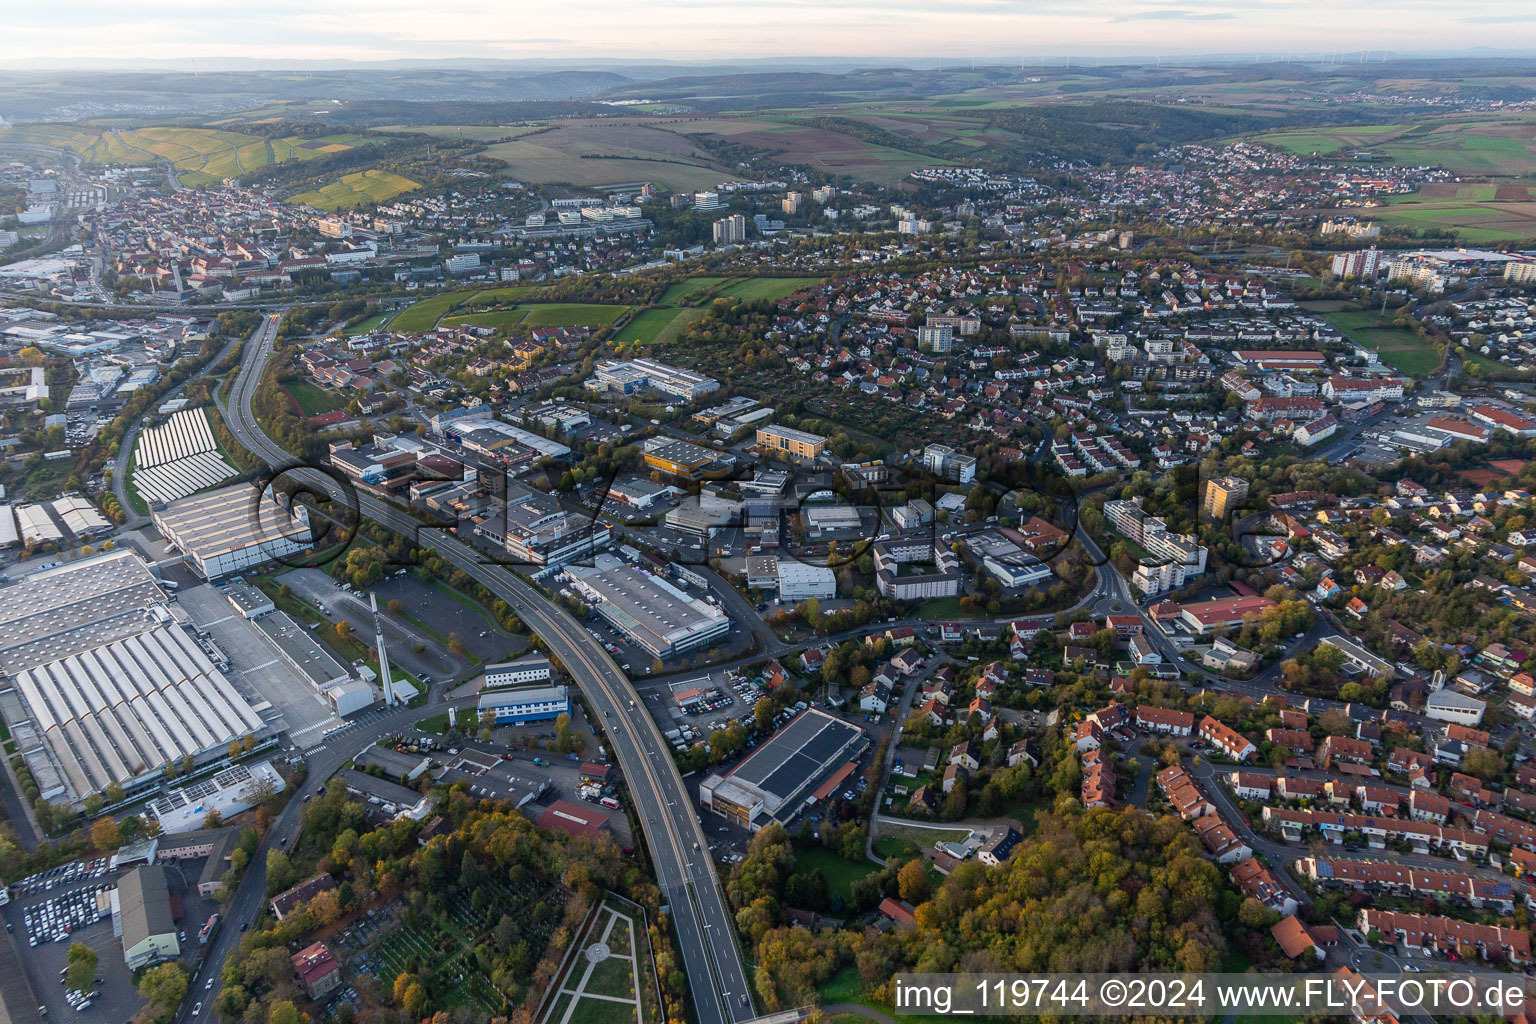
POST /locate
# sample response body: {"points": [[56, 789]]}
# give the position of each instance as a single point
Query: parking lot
{"points": [[320, 591], [51, 912], [722, 696], [447, 614]]}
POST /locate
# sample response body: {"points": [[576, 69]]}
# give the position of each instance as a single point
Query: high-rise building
{"points": [[1364, 263], [1520, 271], [731, 230], [707, 201], [791, 203], [937, 339], [1224, 494]]}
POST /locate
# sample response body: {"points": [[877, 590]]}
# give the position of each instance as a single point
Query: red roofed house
{"points": [[317, 969], [1164, 720], [1343, 748], [896, 910], [1226, 739], [1294, 938]]}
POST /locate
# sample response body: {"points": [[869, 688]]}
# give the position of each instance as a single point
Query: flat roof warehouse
{"points": [[657, 615], [801, 762], [103, 684]]}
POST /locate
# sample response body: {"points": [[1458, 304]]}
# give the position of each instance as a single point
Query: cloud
{"points": [[1175, 14]]}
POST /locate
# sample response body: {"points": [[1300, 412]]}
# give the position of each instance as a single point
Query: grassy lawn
{"points": [[139, 504], [364, 326], [572, 314], [682, 291], [700, 290], [499, 319], [612, 977], [1027, 812], [843, 987], [1398, 347], [423, 315], [313, 399], [651, 324], [941, 608], [489, 297], [754, 288], [839, 873]]}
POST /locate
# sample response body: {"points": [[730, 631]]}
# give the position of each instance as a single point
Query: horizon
{"points": [[848, 30]]}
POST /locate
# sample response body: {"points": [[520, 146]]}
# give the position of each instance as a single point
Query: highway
{"points": [[705, 934]]}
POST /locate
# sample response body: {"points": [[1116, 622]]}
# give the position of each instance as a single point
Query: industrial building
{"points": [[229, 530], [521, 704], [800, 766], [689, 461], [103, 683], [650, 611], [537, 531], [798, 443], [799, 581], [387, 797], [530, 668], [235, 789], [649, 375], [704, 515], [141, 917]]}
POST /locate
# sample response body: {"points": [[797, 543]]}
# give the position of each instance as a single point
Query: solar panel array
{"points": [[178, 458], [201, 790], [116, 712], [799, 752]]}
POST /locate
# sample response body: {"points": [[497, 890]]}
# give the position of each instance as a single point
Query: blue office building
{"points": [[522, 704]]}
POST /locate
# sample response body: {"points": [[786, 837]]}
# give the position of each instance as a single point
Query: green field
{"points": [[500, 319], [1477, 213], [839, 873], [843, 989], [489, 298], [364, 326], [424, 315], [657, 325], [679, 293], [357, 189], [572, 314], [941, 608], [701, 290], [615, 990], [1466, 145], [201, 156], [314, 400], [1398, 347]]}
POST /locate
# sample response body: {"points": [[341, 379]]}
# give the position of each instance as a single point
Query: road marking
{"points": [[257, 668]]}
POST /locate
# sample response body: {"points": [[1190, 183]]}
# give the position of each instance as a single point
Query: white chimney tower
{"points": [[386, 677]]}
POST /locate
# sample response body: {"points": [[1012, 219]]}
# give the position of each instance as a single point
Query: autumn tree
{"points": [[912, 881], [163, 988], [105, 834]]}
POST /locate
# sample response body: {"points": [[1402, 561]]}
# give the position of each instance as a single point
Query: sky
{"points": [[81, 31]]}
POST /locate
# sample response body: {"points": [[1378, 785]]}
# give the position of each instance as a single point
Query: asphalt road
{"points": [[685, 872]]}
